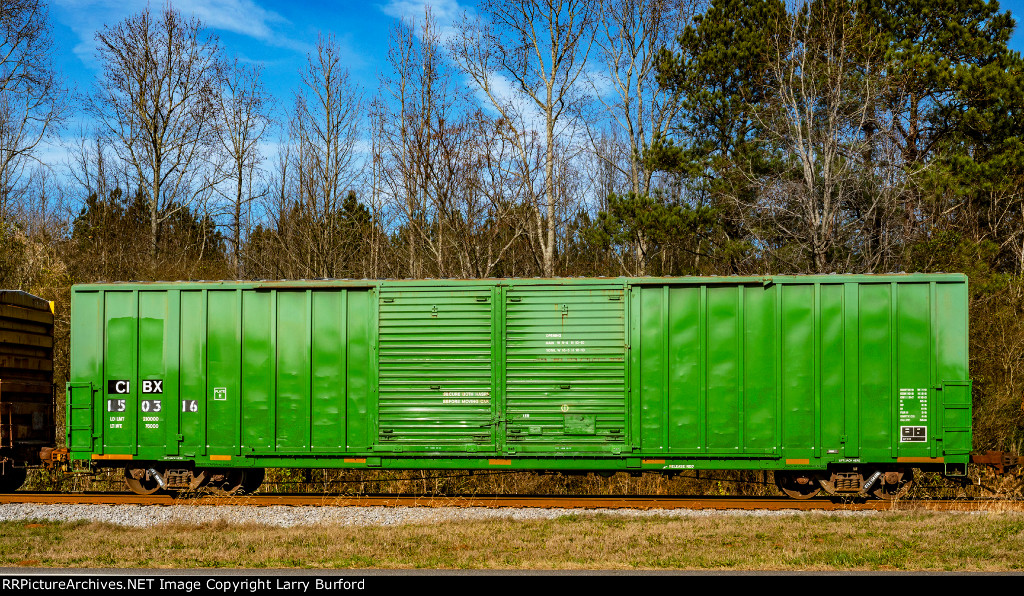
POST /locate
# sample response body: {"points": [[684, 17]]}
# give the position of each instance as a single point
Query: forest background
{"points": [[538, 138]]}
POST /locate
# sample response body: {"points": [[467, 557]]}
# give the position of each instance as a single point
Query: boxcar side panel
{"points": [[798, 357], [760, 402], [190, 405], [951, 367], [833, 368], [360, 371], [153, 373], [291, 412], [912, 436], [120, 375], [723, 423], [328, 386], [811, 371], [650, 414], [224, 339], [259, 361], [678, 336], [221, 372], [850, 437], [875, 375], [706, 380]]}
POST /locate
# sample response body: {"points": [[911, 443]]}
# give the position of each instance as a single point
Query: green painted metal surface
{"points": [[565, 383], [436, 353], [646, 373]]}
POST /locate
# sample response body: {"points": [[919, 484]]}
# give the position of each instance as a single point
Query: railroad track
{"points": [[498, 501]]}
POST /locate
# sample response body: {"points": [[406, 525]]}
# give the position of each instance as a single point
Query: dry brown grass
{"points": [[890, 541], [469, 482], [441, 482]]}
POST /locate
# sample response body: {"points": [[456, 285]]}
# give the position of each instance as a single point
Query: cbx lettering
{"points": [[117, 387], [152, 386]]}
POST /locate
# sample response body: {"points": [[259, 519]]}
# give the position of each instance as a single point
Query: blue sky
{"points": [[275, 33], [1016, 8]]}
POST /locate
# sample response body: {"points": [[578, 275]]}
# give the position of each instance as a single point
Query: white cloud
{"points": [[239, 16], [444, 12], [244, 17], [507, 93], [597, 81]]}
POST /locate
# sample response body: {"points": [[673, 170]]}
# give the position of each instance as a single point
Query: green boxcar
{"points": [[841, 382]]}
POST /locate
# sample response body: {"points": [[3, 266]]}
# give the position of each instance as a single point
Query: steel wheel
{"points": [[140, 482], [790, 484], [893, 484], [227, 482], [252, 480]]}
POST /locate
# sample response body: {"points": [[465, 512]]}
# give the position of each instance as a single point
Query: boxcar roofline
{"points": [[539, 281]]}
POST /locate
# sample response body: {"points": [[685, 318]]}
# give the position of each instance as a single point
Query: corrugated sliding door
{"points": [[436, 378], [565, 369]]}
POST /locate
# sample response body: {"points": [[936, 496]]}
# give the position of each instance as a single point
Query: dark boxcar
{"points": [[841, 382], [26, 384]]}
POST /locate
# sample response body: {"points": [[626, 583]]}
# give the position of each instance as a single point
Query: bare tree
{"points": [[419, 140], [493, 219], [632, 34], [32, 101], [826, 81], [243, 107], [433, 155], [90, 169], [324, 130], [156, 102], [88, 166], [527, 57], [263, 246]]}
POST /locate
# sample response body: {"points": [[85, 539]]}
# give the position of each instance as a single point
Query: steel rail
{"points": [[500, 501]]}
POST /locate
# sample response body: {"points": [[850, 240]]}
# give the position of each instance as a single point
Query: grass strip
{"points": [[886, 541]]}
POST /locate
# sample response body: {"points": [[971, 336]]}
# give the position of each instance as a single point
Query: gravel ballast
{"points": [[281, 516]]}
